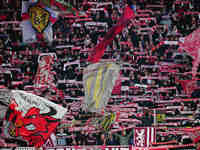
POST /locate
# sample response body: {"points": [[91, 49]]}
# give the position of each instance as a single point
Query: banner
{"points": [[107, 121], [98, 81], [31, 118], [37, 21], [45, 78], [44, 75], [144, 137], [99, 49]]}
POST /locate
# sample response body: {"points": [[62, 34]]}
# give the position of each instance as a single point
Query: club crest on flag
{"points": [[39, 18], [99, 80]]}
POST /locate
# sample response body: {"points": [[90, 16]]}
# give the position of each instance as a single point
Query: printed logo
{"points": [[39, 18]]}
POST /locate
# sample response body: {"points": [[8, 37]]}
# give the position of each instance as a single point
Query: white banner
{"points": [[31, 118], [25, 101], [44, 74]]}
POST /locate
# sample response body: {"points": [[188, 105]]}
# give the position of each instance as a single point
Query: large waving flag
{"points": [[31, 118], [99, 80], [38, 16], [191, 45], [37, 21], [99, 49]]}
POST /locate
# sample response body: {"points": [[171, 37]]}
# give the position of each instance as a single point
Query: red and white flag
{"points": [[31, 118], [144, 137], [44, 76]]}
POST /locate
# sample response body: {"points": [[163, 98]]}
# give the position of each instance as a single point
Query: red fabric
{"points": [[40, 36], [52, 19], [3, 17], [44, 125], [99, 49], [25, 16], [1, 59], [118, 85], [191, 45]]}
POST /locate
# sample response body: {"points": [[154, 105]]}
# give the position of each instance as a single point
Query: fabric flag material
{"points": [[4, 102], [144, 137], [107, 121], [191, 45], [99, 49], [37, 21], [98, 81], [45, 77], [31, 118]]}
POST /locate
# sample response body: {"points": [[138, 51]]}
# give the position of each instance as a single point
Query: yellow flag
{"points": [[99, 80], [39, 18]]}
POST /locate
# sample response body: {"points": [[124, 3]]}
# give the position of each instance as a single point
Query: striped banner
{"points": [[144, 137], [99, 80]]}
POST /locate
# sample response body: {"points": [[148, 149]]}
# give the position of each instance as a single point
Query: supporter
{"points": [[91, 139], [61, 138], [142, 38], [101, 139], [123, 137], [81, 138], [147, 119], [111, 140]]}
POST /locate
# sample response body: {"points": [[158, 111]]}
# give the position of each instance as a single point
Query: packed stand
{"points": [[152, 69]]}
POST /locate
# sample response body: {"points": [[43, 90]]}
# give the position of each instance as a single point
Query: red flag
{"points": [[99, 49], [31, 118], [42, 126], [191, 45]]}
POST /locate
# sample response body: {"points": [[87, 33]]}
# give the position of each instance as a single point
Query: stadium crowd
{"points": [[153, 70]]}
